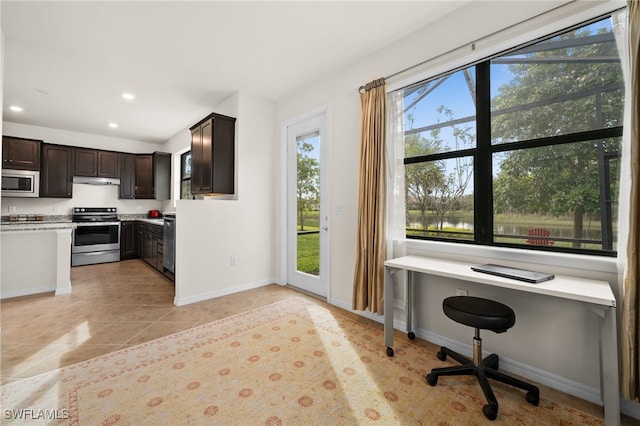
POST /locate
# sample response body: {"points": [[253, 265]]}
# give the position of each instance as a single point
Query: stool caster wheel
{"points": [[495, 365], [389, 351], [441, 355], [411, 335], [490, 411], [533, 398], [431, 379]]}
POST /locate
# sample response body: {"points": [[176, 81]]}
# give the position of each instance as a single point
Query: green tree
{"points": [[432, 185], [555, 91], [451, 189], [308, 184], [421, 179]]}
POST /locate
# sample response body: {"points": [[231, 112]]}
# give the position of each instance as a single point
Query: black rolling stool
{"points": [[487, 315]]}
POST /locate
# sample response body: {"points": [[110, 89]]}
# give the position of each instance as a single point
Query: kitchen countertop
{"points": [[35, 226], [63, 223], [153, 221]]}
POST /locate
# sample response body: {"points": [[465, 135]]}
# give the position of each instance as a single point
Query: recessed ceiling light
{"points": [[129, 96], [16, 108], [113, 125]]}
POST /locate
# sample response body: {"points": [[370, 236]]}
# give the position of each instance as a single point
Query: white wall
{"points": [[553, 341], [83, 195], [211, 232]]}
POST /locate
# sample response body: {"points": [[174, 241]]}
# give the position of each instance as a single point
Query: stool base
{"points": [[486, 369]]}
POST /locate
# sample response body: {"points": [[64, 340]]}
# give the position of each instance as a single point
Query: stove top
{"points": [[94, 214]]}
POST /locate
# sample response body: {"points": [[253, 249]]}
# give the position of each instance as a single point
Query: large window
{"points": [[521, 149]]}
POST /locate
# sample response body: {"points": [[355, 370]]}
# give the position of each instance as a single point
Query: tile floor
{"points": [[112, 306], [121, 304]]}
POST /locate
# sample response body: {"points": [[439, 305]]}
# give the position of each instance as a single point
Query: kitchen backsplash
{"points": [[83, 196]]}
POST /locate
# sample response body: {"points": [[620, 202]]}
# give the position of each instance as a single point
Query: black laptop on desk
{"points": [[514, 273]]}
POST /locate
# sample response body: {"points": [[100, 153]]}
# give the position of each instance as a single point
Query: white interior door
{"points": [[307, 213]]}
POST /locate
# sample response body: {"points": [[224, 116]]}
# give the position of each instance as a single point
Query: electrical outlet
{"points": [[232, 261], [462, 292]]}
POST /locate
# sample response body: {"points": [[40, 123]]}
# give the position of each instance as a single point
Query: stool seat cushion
{"points": [[479, 313]]}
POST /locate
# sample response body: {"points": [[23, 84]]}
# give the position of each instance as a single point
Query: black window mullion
{"points": [[440, 156], [483, 177]]}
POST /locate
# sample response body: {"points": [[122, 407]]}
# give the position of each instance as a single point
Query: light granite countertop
{"points": [[153, 221], [64, 222], [35, 226]]}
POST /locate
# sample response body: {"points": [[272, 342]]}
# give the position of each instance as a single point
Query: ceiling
{"points": [[68, 63]]}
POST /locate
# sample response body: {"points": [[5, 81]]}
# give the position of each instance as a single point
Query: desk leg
{"points": [[388, 309], [409, 308], [609, 366]]}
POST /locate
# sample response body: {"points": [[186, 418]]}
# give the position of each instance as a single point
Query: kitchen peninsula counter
{"points": [[35, 226], [36, 257]]}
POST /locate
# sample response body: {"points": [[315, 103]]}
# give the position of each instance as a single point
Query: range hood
{"points": [[96, 180]]}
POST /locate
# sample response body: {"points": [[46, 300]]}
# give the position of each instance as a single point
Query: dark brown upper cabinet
{"points": [[93, 162], [56, 176], [213, 155], [20, 153], [127, 186], [152, 176], [144, 176]]}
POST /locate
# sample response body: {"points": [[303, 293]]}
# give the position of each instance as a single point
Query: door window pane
{"points": [[308, 203]]}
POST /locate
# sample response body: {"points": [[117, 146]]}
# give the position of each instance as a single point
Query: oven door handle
{"points": [[80, 224]]}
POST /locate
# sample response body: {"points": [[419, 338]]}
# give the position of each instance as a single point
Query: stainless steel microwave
{"points": [[20, 183]]}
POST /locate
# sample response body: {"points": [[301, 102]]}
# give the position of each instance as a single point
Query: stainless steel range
{"points": [[96, 238]]}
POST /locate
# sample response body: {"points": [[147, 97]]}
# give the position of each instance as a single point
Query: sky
{"points": [[454, 93]]}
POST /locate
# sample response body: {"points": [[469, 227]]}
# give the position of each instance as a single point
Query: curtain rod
{"points": [[472, 44]]}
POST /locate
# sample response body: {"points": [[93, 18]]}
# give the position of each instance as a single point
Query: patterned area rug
{"points": [[290, 363]]}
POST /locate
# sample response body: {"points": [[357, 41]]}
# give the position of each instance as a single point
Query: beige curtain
{"points": [[630, 300], [368, 282]]}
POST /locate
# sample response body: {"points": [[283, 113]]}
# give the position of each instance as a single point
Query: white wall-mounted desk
{"points": [[597, 295]]}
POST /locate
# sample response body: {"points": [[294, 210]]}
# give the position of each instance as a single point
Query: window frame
{"points": [[183, 175], [483, 234]]}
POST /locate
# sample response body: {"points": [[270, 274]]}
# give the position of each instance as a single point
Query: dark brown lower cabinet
{"points": [[128, 240], [145, 241]]}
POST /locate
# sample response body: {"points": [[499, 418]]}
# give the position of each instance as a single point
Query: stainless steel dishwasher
{"points": [[169, 240]]}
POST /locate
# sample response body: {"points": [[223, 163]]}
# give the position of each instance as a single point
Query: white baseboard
{"points": [[630, 408], [28, 291], [222, 292], [509, 365], [571, 387], [64, 290]]}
